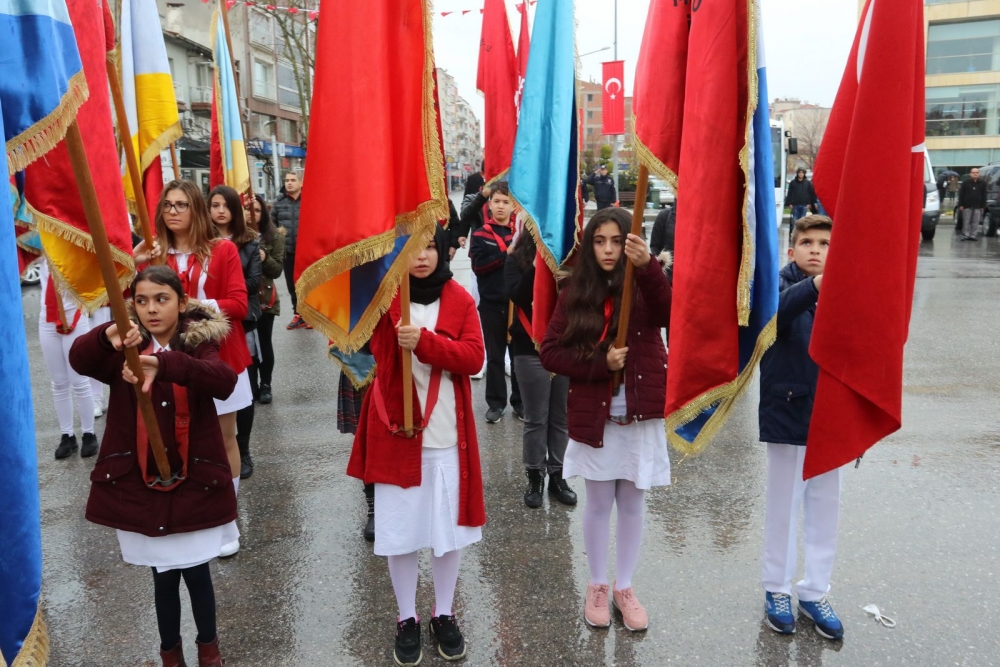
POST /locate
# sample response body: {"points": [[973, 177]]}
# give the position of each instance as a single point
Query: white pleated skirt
{"points": [[177, 551], [636, 452], [241, 397], [425, 516]]}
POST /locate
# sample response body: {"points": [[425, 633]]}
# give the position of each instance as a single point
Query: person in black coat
{"points": [[662, 236], [604, 188], [972, 204], [475, 182]]}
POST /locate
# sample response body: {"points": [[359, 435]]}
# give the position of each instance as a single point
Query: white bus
{"points": [[780, 153]]}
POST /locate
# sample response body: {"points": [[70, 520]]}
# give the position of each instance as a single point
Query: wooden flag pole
{"points": [[92, 208], [224, 10], [628, 290], [173, 161], [404, 320], [132, 164]]}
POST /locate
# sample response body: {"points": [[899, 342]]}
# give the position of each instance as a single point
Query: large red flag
{"points": [[613, 99], [497, 81], [523, 49], [860, 331]]}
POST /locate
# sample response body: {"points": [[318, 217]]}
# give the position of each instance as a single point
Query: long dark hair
{"points": [[264, 226], [524, 251], [590, 286], [203, 233], [240, 233]]}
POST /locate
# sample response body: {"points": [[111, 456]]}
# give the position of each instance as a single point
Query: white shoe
{"points": [[480, 374], [230, 549], [98, 412]]}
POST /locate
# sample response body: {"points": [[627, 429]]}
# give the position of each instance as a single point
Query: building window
{"points": [[954, 111], [973, 46], [287, 131], [261, 29], [263, 79], [288, 92], [590, 97], [590, 115]]}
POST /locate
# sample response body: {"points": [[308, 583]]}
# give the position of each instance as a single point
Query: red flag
{"points": [[859, 332], [613, 100], [523, 49], [152, 186], [497, 81], [50, 185], [216, 172]]}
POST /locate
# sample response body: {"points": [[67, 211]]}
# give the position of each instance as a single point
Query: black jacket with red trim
{"points": [[488, 258]]}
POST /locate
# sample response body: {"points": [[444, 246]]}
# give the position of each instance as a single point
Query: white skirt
{"points": [[177, 551], [425, 516], [636, 452], [241, 397]]}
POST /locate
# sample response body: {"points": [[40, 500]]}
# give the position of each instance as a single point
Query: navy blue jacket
{"points": [[788, 375]]}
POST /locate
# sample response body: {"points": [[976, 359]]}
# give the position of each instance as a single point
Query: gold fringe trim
{"points": [[749, 251], [346, 370], [43, 136], [35, 650], [724, 397], [160, 144], [652, 162], [502, 176], [433, 157]]}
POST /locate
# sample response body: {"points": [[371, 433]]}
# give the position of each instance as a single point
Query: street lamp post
{"points": [[614, 148]]}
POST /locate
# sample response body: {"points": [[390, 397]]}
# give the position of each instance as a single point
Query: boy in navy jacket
{"points": [[787, 387]]}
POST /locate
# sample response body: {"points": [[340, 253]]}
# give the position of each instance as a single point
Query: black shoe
{"points": [[246, 466], [369, 531], [66, 446], [519, 412], [533, 496], [265, 394], [90, 446], [407, 651], [451, 643], [559, 489], [493, 415]]}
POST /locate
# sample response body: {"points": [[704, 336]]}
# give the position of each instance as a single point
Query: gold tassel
{"points": [[35, 649], [44, 135]]}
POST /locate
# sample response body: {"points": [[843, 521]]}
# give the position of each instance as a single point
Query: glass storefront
{"points": [[956, 111], [970, 46]]}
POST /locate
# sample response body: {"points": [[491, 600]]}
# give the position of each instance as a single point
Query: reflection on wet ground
{"points": [[918, 535]]}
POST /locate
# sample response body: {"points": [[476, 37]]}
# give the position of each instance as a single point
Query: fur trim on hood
{"points": [[665, 259], [198, 323]]}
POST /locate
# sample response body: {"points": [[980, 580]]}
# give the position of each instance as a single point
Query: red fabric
{"points": [[152, 188], [613, 99], [182, 433], [225, 284], [52, 310], [216, 166], [118, 496], [497, 81], [456, 346], [544, 295], [523, 49], [692, 76], [859, 332]]}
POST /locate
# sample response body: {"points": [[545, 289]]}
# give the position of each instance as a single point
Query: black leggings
{"points": [[265, 329], [167, 595]]}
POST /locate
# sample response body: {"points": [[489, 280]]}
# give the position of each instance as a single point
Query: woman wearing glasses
{"points": [[210, 271]]}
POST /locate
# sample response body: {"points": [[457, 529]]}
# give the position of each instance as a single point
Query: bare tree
{"points": [[809, 126]]}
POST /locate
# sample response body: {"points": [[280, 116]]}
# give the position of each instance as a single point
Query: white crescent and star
{"points": [[607, 86]]}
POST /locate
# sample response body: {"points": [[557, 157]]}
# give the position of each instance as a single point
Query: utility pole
{"points": [[614, 138]]}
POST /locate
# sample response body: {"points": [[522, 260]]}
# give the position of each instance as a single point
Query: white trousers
{"points": [[55, 352], [101, 316], [820, 499]]}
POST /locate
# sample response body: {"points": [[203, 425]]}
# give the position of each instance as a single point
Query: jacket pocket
{"points": [[785, 413], [109, 469], [209, 475]]}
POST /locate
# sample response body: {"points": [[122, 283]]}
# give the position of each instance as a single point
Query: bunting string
{"points": [[313, 14]]}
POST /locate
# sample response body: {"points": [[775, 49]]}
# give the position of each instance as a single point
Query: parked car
{"points": [[932, 202], [32, 274], [666, 192], [991, 176]]}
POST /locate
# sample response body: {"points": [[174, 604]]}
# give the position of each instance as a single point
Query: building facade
{"points": [[591, 99], [807, 123], [461, 131]]}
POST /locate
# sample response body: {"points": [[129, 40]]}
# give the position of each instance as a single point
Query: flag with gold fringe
{"points": [[701, 123], [41, 90], [50, 184], [228, 152], [354, 250]]}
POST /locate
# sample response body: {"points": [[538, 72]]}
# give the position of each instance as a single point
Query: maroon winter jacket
{"points": [[119, 497], [589, 399]]}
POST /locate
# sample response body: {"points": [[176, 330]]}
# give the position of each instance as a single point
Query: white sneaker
{"points": [[230, 549], [480, 374], [98, 412]]}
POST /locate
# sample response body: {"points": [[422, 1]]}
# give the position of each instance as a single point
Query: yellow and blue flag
{"points": [[41, 89], [228, 153]]}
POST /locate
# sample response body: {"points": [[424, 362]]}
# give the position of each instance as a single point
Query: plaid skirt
{"points": [[348, 405]]}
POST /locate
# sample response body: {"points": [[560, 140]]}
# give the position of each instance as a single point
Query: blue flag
{"points": [[40, 91]]}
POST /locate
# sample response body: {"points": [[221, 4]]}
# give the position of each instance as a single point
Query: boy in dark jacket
{"points": [[787, 386], [488, 254]]}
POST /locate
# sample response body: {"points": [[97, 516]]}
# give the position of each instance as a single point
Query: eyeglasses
{"points": [[179, 206]]}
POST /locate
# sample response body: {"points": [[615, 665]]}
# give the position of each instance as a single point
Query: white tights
{"points": [[601, 496], [55, 351], [101, 316], [403, 572]]}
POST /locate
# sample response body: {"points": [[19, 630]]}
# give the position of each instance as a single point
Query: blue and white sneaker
{"points": [[778, 607], [822, 614]]}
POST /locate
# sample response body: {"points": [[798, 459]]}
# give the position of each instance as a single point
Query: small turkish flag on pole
{"points": [[613, 102]]}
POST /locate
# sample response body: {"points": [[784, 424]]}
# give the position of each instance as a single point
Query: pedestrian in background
{"points": [[286, 216], [272, 257], [428, 488], [604, 187], [788, 378], [800, 195], [617, 441], [972, 204], [175, 530], [544, 394]]}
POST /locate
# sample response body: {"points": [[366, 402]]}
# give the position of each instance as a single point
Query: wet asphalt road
{"points": [[919, 532]]}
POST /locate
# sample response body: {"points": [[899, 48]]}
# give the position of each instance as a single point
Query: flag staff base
{"points": [[628, 290], [92, 208]]}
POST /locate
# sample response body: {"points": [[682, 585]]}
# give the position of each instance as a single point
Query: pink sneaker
{"points": [[634, 615], [595, 609]]}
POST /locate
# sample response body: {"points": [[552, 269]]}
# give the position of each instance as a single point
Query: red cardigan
{"points": [[456, 346]]}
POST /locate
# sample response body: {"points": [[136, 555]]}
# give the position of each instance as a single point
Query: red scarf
{"points": [[189, 278], [182, 427], [54, 312], [609, 309]]}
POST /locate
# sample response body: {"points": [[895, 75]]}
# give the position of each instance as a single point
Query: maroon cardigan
{"points": [[589, 401], [119, 497], [456, 345]]}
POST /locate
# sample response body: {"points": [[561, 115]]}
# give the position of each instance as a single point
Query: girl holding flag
{"points": [[175, 529], [623, 451], [428, 487]]}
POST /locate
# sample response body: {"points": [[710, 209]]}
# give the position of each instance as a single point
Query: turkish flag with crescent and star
{"points": [[613, 103]]}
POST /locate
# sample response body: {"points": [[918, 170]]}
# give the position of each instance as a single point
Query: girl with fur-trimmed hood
{"points": [[175, 528]]}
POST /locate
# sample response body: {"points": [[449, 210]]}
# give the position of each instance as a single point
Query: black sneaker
{"points": [[246, 466], [493, 415], [533, 496], [90, 446], [407, 651], [369, 530], [66, 446], [519, 412], [265, 394], [559, 489], [451, 643]]}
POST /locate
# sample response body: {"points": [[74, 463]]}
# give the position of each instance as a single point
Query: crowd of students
{"points": [[203, 320]]}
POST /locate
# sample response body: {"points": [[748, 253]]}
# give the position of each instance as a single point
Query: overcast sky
{"points": [[806, 42]]}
